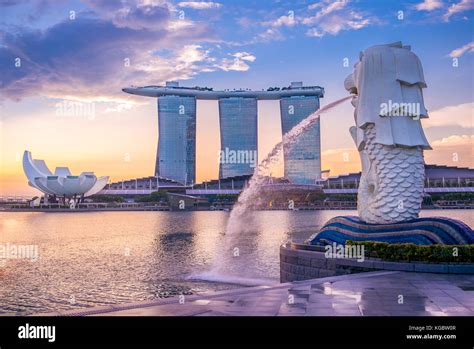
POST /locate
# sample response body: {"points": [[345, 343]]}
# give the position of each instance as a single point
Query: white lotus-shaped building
{"points": [[62, 183]]}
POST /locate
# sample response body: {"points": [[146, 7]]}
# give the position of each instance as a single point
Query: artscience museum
{"points": [[61, 183]]}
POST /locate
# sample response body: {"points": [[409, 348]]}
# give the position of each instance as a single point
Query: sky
{"points": [[64, 63]]}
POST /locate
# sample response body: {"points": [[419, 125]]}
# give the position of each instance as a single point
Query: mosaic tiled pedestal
{"points": [[420, 231]]}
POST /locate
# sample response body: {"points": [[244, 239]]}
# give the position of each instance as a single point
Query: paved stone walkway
{"points": [[374, 293]]}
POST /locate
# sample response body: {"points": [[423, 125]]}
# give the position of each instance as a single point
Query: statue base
{"points": [[420, 231]]}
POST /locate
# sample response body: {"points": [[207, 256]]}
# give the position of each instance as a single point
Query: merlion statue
{"points": [[387, 83]]}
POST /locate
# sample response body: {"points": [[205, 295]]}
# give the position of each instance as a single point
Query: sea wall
{"points": [[302, 262]]}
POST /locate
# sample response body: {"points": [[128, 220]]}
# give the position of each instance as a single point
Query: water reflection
{"points": [[100, 258]]}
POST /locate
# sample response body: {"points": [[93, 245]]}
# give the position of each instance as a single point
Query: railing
{"points": [[15, 198], [91, 206], [439, 183]]}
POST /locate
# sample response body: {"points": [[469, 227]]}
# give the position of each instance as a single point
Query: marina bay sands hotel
{"points": [[176, 153]]}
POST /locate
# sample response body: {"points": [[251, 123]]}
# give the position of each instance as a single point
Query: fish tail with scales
{"points": [[391, 189]]}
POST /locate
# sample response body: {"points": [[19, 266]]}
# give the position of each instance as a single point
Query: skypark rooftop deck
{"points": [[173, 89]]}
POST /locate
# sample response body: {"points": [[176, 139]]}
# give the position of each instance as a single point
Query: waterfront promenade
{"points": [[364, 294]]}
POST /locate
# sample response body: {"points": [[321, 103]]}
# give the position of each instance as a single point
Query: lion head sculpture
{"points": [[387, 84]]}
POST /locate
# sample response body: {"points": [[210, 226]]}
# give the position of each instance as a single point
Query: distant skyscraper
{"points": [[238, 126], [302, 158], [176, 153]]}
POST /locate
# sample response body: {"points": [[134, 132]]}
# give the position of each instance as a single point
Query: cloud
{"points": [[192, 53], [199, 5], [429, 5], [271, 34], [341, 161], [176, 25], [245, 56], [339, 22], [9, 3], [331, 17], [469, 47], [453, 115], [133, 14], [119, 107], [454, 140], [313, 32], [272, 27], [183, 64], [454, 150], [238, 63], [94, 56], [461, 6], [324, 10], [90, 57], [334, 17], [288, 21], [245, 21]]}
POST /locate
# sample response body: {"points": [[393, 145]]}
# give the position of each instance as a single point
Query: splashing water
{"points": [[250, 194], [241, 217]]}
